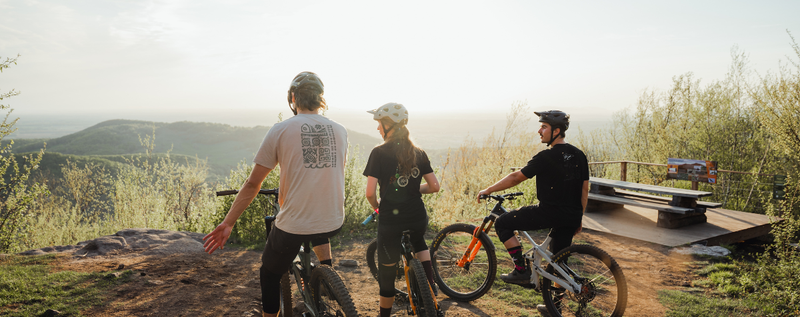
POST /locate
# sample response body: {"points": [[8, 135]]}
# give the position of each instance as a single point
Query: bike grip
{"points": [[483, 196], [227, 192], [369, 219]]}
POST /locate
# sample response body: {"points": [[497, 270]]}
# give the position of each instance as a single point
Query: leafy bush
{"points": [[16, 193]]}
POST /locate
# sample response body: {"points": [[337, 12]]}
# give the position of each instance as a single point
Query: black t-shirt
{"points": [[560, 172], [401, 200]]}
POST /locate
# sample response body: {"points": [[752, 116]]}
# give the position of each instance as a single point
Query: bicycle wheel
{"points": [[472, 280], [286, 296], [604, 290], [331, 297], [420, 291]]}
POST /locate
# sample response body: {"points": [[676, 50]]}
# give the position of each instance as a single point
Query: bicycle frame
{"points": [[536, 254]]}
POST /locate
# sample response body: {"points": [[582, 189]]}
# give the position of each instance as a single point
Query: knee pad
{"points": [[386, 277]]}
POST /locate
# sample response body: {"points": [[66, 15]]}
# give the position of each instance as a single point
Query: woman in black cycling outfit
{"points": [[399, 167]]}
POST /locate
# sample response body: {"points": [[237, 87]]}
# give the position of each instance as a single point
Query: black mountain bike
{"points": [[323, 292]]}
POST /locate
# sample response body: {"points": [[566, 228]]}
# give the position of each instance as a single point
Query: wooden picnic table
{"points": [[681, 209]]}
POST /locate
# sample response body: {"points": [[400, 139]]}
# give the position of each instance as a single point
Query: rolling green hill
{"points": [[222, 145]]}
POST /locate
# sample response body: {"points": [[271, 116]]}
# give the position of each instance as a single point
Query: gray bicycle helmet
{"points": [[304, 79], [557, 119]]}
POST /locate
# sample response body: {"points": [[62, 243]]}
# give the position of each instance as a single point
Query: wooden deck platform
{"points": [[723, 226]]}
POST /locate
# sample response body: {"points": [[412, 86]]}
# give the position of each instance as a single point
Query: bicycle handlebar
{"points": [[509, 196], [273, 191]]}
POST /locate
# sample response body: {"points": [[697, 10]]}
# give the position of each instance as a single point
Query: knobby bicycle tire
{"points": [[420, 291], [475, 278], [286, 296], [331, 297], [372, 263], [604, 290]]}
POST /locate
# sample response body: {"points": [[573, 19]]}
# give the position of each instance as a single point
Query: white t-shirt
{"points": [[311, 150]]}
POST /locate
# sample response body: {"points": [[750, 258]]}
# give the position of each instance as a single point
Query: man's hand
{"points": [[482, 193], [217, 238], [580, 228]]}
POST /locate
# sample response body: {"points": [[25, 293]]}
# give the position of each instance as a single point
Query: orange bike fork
{"points": [[474, 245], [408, 287]]}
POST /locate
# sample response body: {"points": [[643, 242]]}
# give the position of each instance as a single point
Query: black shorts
{"points": [[389, 235], [282, 247], [536, 217]]}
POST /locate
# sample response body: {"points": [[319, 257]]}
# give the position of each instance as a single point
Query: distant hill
{"points": [[222, 145]]}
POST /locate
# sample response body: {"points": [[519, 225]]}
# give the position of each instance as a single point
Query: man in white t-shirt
{"points": [[311, 150]]}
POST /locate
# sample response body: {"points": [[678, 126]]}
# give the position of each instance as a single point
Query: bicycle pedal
{"points": [[401, 298]]}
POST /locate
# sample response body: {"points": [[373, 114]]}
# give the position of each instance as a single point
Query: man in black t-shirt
{"points": [[562, 186]]}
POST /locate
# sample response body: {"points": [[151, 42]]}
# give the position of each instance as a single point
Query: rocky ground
{"points": [[174, 277]]}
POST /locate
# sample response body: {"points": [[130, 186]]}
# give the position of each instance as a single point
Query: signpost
{"points": [[692, 170]]}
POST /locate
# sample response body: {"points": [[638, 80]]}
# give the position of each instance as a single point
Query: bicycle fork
{"points": [[475, 245]]}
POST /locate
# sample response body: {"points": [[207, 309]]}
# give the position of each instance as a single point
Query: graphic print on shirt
{"points": [[402, 181], [571, 170], [319, 146]]}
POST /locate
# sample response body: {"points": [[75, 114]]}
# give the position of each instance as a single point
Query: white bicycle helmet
{"points": [[392, 110]]}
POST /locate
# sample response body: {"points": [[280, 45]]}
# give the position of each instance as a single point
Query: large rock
{"points": [[148, 241], [102, 245]]}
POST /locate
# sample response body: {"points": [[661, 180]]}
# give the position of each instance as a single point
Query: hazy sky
{"points": [[142, 59]]}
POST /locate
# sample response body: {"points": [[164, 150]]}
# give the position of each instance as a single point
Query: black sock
{"points": [[329, 262], [386, 312], [516, 256]]}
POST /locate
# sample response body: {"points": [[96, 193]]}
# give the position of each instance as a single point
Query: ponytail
{"points": [[406, 150]]}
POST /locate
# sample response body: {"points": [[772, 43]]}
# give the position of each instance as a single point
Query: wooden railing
{"points": [[623, 170]]}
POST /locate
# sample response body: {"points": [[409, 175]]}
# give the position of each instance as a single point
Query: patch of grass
{"points": [[29, 288], [682, 304]]}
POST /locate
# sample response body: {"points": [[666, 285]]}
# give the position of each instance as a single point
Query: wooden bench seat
{"points": [[682, 209], [706, 204], [627, 201], [670, 217]]}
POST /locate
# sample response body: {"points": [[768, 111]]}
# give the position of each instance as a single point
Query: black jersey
{"points": [[400, 197], [560, 172]]}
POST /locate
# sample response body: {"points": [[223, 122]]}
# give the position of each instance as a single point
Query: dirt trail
{"points": [[226, 283]]}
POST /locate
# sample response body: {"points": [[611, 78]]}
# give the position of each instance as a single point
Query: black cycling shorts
{"points": [[389, 235], [536, 217], [282, 247]]}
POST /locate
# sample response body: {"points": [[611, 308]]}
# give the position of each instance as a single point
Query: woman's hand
{"points": [[217, 238]]}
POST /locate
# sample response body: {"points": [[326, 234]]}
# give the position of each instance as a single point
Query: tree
{"points": [[16, 192]]}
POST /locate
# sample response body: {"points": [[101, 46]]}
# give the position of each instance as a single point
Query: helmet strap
{"points": [[291, 101]]}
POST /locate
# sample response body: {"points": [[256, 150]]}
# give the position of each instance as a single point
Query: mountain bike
{"points": [[419, 299], [580, 280], [321, 288]]}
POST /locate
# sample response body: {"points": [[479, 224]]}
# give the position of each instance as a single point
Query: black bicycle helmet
{"points": [[556, 119], [304, 79]]}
